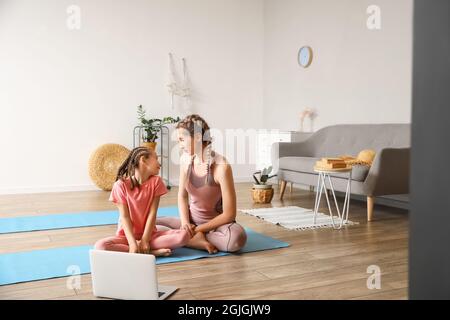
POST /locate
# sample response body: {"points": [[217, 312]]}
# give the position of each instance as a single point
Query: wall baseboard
{"points": [[48, 189], [388, 201], [174, 182], [75, 188]]}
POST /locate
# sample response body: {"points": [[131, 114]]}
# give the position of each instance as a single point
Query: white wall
{"points": [[65, 92], [357, 75]]}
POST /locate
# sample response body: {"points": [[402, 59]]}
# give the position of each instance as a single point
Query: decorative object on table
{"points": [[331, 163], [305, 56], [104, 164], [293, 217], [308, 113], [365, 158], [261, 191], [176, 89], [152, 127]]}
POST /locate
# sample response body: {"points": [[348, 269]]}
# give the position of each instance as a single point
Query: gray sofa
{"points": [[389, 173]]}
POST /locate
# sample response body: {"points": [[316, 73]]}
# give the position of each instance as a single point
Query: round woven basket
{"points": [[262, 195], [104, 164]]}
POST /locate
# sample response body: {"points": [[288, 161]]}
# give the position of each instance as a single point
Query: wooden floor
{"points": [[319, 264]]}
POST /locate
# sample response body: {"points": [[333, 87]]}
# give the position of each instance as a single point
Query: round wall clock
{"points": [[305, 56]]}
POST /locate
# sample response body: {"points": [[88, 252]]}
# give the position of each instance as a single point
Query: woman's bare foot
{"points": [[161, 252], [199, 242], [209, 247]]}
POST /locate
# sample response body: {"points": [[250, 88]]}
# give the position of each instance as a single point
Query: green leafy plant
{"points": [[151, 125], [264, 175]]}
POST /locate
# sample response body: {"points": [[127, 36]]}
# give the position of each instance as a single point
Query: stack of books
{"points": [[331, 163]]}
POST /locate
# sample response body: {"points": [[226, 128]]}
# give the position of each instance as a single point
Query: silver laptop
{"points": [[127, 276]]}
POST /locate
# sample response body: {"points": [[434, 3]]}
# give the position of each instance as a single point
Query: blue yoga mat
{"points": [[68, 220], [61, 262]]}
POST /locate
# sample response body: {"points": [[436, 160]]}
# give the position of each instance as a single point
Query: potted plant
{"points": [[152, 127], [262, 192]]}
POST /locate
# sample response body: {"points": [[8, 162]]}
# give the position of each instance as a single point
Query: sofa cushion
{"points": [[306, 165], [338, 140]]}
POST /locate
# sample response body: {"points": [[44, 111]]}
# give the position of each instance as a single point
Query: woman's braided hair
{"points": [[131, 163], [196, 124]]}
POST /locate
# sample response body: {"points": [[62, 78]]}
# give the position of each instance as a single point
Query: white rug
{"points": [[295, 218]]}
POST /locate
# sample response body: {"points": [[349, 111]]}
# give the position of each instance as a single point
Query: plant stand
{"points": [[162, 149]]}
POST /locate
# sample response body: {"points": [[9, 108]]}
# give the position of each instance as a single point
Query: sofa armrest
{"points": [[389, 173], [288, 149]]}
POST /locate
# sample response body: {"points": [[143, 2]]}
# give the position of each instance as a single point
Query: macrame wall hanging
{"points": [[175, 89]]}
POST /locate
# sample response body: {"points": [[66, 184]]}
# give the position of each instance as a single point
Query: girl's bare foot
{"points": [[199, 242], [161, 252]]}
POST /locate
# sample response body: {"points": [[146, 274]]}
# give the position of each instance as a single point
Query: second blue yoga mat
{"points": [[62, 262], [68, 220]]}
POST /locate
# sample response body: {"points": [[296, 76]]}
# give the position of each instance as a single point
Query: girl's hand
{"points": [[189, 228], [144, 246], [134, 248]]}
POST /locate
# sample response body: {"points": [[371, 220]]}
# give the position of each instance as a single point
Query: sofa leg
{"points": [[370, 203], [282, 189]]}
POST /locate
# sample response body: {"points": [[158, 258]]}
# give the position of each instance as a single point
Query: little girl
{"points": [[136, 193]]}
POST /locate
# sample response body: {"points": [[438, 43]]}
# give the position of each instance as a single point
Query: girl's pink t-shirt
{"points": [[138, 200]]}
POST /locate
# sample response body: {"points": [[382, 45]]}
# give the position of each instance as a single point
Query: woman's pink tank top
{"points": [[205, 199]]}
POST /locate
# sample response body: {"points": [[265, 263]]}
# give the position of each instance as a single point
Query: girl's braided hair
{"points": [[131, 163]]}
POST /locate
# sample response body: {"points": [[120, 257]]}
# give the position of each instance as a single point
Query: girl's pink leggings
{"points": [[161, 239]]}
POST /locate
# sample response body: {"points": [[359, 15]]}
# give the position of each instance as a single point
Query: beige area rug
{"points": [[295, 218]]}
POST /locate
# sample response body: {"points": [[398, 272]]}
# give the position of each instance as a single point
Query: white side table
{"points": [[324, 174]]}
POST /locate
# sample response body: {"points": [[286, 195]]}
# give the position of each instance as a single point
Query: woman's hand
{"points": [[144, 246], [134, 247], [189, 227]]}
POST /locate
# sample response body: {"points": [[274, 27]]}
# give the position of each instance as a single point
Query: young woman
{"points": [[206, 196], [136, 193]]}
